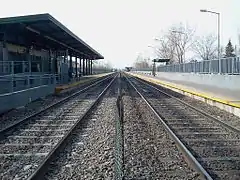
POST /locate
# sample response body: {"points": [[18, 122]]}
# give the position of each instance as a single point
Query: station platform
{"points": [[63, 87], [223, 98]]}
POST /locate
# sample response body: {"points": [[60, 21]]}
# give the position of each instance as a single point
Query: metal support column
{"points": [[86, 70], [83, 67], [80, 67], [4, 52], [1, 57], [88, 66], [76, 71], [154, 69], [66, 56], [70, 66], [91, 67], [28, 57]]}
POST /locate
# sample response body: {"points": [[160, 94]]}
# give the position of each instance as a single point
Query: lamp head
{"points": [[203, 10]]}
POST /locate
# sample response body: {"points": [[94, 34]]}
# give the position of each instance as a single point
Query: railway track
{"points": [[149, 152], [90, 150], [27, 146], [5, 126], [210, 146], [9, 118], [120, 129]]}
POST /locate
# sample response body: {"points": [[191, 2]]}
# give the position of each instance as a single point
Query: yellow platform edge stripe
{"points": [[63, 87], [156, 81], [73, 84]]}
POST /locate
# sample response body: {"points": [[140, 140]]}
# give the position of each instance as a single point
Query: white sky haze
{"points": [[120, 29]]}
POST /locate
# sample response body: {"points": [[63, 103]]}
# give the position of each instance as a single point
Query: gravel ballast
{"points": [[193, 127], [149, 153], [31, 133], [90, 153]]}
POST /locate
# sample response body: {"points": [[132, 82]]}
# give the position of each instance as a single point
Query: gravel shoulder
{"points": [[149, 153]]}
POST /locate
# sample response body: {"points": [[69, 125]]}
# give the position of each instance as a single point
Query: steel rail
{"points": [[41, 170], [192, 107], [191, 160], [11, 126]]}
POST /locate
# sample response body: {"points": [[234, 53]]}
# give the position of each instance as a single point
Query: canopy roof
{"points": [[47, 26]]}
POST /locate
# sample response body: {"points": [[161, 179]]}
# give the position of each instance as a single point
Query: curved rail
{"points": [[2, 132], [40, 171], [187, 154]]}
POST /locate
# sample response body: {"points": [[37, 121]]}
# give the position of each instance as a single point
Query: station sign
{"points": [[161, 60]]}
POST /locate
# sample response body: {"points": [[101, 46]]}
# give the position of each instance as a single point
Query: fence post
{"points": [[210, 65], [23, 65], [12, 67], [237, 64], [41, 80], [28, 81], [42, 64], [195, 67], [220, 66], [12, 84], [54, 79]]}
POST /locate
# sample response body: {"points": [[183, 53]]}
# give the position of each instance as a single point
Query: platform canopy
{"points": [[48, 28]]}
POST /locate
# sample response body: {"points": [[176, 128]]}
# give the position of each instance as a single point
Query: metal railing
{"points": [[13, 83], [16, 67], [228, 66], [20, 75]]}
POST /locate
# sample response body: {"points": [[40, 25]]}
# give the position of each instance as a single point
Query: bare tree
{"points": [[182, 38], [102, 64], [205, 47], [165, 49], [141, 62]]}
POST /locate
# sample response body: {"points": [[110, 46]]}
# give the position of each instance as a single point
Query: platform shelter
{"points": [[37, 52]]}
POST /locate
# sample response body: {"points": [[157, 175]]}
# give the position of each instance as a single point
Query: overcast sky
{"points": [[121, 29]]}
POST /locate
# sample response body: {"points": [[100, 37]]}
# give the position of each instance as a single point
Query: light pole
{"points": [[154, 63], [219, 58]]}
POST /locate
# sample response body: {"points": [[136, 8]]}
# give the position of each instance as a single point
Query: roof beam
{"points": [[52, 39]]}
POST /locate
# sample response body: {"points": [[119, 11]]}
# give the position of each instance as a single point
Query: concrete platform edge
{"points": [[220, 103], [22, 98], [62, 88]]}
